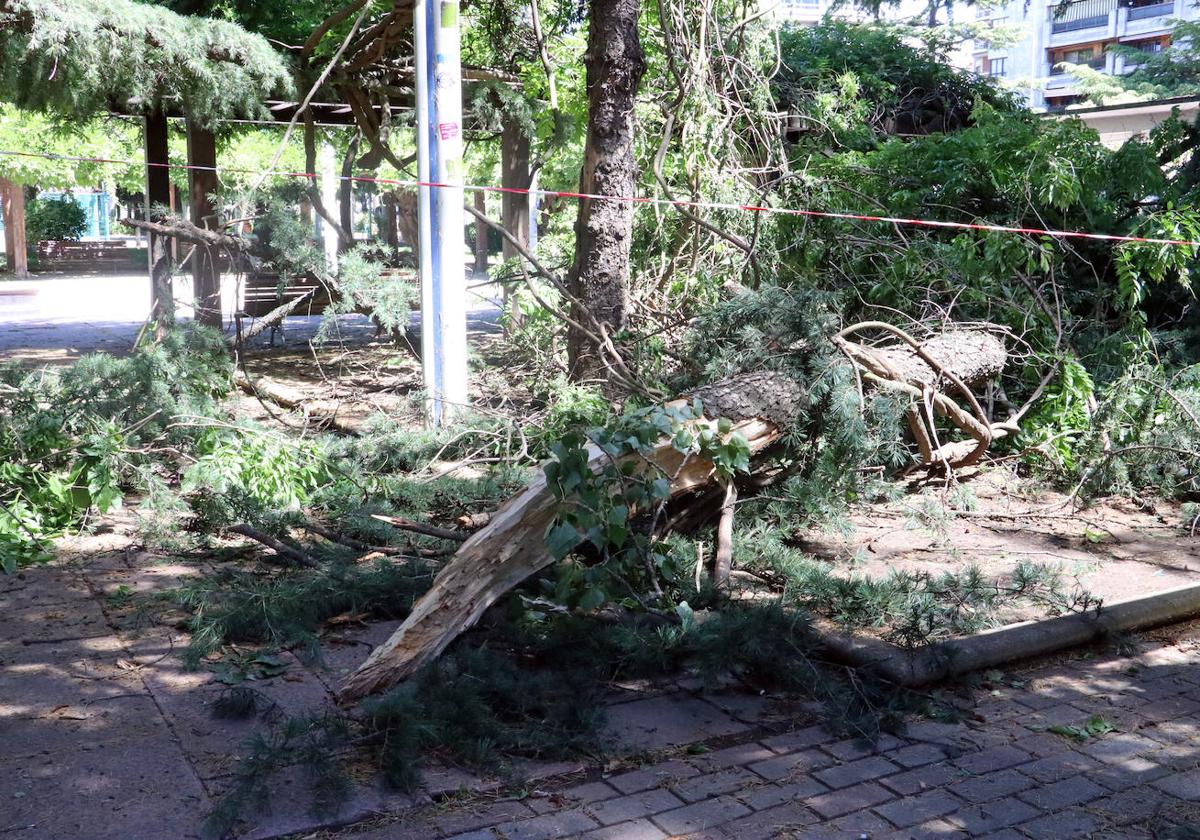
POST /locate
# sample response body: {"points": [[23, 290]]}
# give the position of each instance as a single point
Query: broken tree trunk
{"points": [[762, 406], [511, 547], [924, 370]]}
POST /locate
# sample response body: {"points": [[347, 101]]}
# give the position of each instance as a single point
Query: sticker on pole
{"points": [[450, 14], [448, 131]]}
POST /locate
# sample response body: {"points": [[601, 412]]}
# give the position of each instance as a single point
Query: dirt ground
{"points": [[1112, 549]]}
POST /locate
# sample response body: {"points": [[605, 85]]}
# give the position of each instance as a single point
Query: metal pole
{"points": [[440, 208], [329, 197]]}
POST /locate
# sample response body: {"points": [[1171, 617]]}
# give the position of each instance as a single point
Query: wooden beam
{"points": [[13, 198], [158, 196], [202, 183]]}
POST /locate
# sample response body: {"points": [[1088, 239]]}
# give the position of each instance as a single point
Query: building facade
{"points": [[1077, 32]]}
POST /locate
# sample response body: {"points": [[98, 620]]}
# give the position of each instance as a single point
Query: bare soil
{"points": [[1113, 548]]}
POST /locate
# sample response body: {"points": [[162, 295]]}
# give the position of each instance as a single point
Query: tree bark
{"points": [[13, 198], [202, 183], [511, 547], [158, 195], [599, 279], [514, 175], [481, 234]]}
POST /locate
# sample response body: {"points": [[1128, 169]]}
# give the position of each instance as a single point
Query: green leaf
{"points": [[561, 540], [592, 599]]}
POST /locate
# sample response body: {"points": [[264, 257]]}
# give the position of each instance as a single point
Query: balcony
{"points": [[1081, 14], [1151, 11]]}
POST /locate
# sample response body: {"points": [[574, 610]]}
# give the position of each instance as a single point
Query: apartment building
{"points": [[1078, 32]]}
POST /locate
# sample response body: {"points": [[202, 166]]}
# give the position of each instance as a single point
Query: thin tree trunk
{"points": [[202, 184], [481, 235], [13, 197], [599, 279]]}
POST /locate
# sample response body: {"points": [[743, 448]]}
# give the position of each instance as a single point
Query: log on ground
{"points": [[511, 547]]}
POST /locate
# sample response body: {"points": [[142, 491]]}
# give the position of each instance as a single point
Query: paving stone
{"points": [[734, 756], [1169, 708], [799, 739], [625, 808], [1041, 744], [481, 834], [1130, 806], [101, 794], [935, 732], [41, 587], [1062, 714], [655, 776], [38, 689], [862, 770], [996, 758], [711, 784], [41, 625], [1062, 794], [791, 764], [98, 725], [922, 778], [669, 721], [478, 816], [635, 830], [978, 820], [748, 708], [992, 786], [577, 795], [932, 830], [862, 823], [1183, 785], [1061, 825], [839, 802], [1128, 773], [700, 816], [911, 810], [548, 826], [768, 795], [1059, 766], [856, 748], [781, 821], [917, 755]]}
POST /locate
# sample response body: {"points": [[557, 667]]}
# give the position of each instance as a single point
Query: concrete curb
{"points": [[953, 657]]}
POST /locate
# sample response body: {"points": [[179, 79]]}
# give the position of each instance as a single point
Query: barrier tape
{"points": [[665, 202]]}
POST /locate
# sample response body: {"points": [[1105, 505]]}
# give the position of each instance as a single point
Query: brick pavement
{"points": [[998, 774], [105, 736]]}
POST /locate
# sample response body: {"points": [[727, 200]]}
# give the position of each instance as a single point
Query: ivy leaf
{"points": [[592, 599], [561, 540]]}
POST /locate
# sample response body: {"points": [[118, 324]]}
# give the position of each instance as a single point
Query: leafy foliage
{"points": [[70, 439], [55, 219], [76, 59], [599, 505]]}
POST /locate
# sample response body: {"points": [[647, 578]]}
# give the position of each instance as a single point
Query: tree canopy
{"points": [[84, 57]]}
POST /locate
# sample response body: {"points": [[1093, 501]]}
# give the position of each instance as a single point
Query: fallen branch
{"points": [[282, 549], [422, 528]]}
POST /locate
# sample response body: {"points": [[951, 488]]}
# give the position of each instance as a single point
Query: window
{"points": [[1080, 56], [996, 67]]}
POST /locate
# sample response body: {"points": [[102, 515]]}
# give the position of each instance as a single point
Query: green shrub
{"points": [[53, 219]]}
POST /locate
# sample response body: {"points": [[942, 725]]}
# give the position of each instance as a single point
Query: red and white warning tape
{"points": [[665, 202]]}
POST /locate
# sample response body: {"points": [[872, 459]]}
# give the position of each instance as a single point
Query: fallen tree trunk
{"points": [[761, 407], [511, 547]]}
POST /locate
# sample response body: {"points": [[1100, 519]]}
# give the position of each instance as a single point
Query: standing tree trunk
{"points": [[202, 184], [158, 196], [481, 234], [13, 198], [599, 279]]}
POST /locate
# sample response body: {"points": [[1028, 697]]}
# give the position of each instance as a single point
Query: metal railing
{"points": [[1156, 10], [1081, 14]]}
